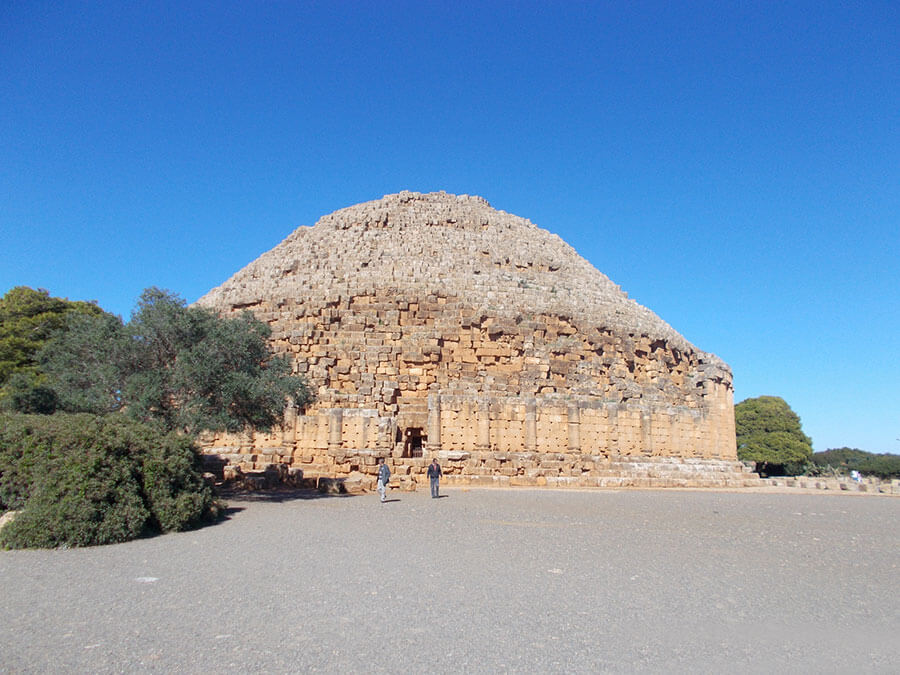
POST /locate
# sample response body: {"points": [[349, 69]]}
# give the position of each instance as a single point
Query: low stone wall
{"points": [[836, 484], [525, 440], [486, 469]]}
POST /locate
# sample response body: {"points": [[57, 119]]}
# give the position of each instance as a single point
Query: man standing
{"points": [[434, 475], [384, 475]]}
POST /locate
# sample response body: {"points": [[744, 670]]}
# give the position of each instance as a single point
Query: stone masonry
{"points": [[433, 324]]}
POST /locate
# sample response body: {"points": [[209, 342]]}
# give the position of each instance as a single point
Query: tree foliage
{"points": [[183, 367], [769, 433], [845, 460], [23, 393], [28, 318], [85, 364]]}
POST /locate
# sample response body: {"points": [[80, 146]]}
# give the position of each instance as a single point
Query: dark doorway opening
{"points": [[412, 442]]}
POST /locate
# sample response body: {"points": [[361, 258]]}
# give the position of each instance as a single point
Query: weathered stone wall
{"points": [[432, 324]]}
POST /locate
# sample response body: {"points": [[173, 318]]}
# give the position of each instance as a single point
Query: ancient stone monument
{"points": [[433, 324]]}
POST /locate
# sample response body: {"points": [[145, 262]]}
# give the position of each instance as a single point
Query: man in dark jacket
{"points": [[434, 475], [384, 475]]}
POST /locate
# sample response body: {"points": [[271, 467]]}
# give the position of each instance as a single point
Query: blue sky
{"points": [[735, 167]]}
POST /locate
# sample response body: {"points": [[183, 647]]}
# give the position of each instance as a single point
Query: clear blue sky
{"points": [[735, 167]]}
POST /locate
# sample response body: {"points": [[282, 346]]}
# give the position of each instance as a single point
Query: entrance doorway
{"points": [[413, 439]]}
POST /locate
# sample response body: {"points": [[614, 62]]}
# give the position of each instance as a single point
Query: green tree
{"points": [[183, 367], [85, 364], [28, 318], [769, 433], [24, 393]]}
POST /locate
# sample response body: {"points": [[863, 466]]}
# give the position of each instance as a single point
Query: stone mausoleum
{"points": [[435, 325]]}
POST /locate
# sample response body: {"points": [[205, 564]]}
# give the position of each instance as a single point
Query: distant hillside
{"points": [[867, 463]]}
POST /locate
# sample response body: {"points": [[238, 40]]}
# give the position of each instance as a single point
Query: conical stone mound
{"points": [[439, 244], [433, 324]]}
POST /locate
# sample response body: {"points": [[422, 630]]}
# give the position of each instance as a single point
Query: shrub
{"points": [[173, 484], [80, 480], [25, 441], [83, 500]]}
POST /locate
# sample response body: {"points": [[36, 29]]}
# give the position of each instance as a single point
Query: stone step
{"points": [[597, 481], [490, 468]]}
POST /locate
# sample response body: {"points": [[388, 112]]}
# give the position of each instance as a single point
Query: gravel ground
{"points": [[479, 580]]}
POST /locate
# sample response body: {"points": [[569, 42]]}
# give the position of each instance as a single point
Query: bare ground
{"points": [[481, 580]]}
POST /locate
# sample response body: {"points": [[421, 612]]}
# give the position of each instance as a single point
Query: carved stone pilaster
{"points": [[483, 442], [434, 423], [335, 429], [530, 425], [574, 428]]}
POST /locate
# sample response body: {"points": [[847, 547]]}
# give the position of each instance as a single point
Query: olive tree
{"points": [[185, 368]]}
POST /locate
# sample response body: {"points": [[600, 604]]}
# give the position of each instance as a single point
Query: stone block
{"points": [[332, 486]]}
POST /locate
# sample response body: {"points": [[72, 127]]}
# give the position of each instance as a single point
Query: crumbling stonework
{"points": [[433, 324]]}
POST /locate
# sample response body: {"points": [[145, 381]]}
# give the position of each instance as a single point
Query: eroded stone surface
{"points": [[435, 324]]}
